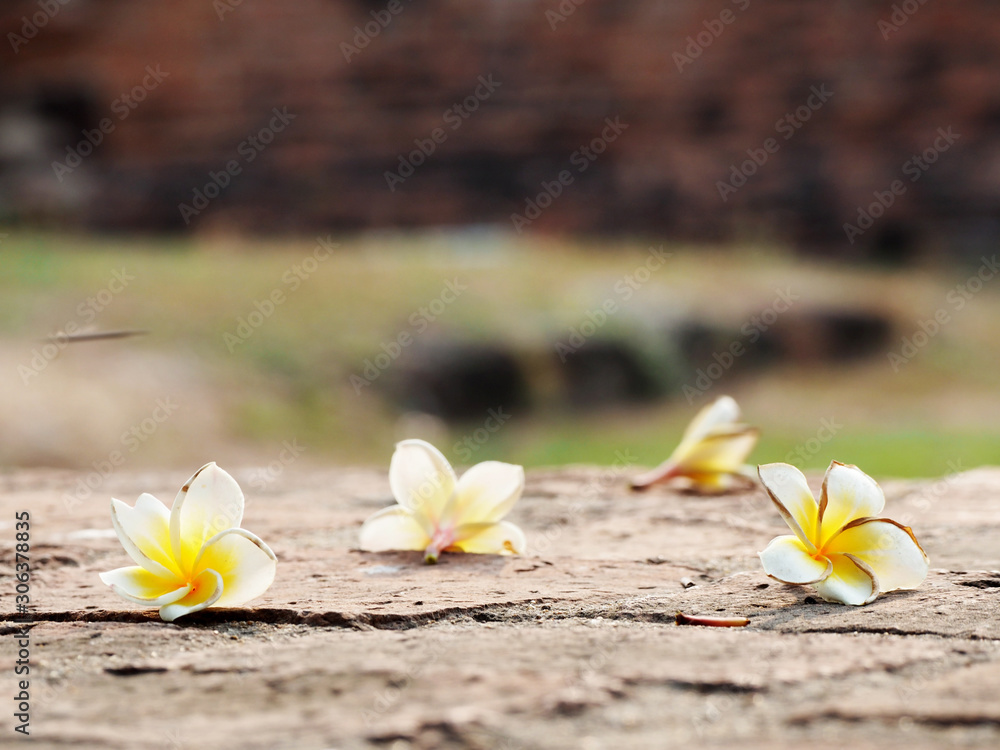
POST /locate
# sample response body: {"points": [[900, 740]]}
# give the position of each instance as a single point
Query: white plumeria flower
{"points": [[712, 453], [840, 546], [194, 556], [438, 512]]}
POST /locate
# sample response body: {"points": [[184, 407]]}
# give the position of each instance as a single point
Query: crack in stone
{"points": [[896, 631], [701, 687], [985, 583], [359, 621], [132, 670], [943, 721]]}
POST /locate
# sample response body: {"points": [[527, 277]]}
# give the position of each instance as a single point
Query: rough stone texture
{"points": [[572, 646]]}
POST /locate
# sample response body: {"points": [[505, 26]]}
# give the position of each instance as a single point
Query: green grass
{"points": [[291, 376]]}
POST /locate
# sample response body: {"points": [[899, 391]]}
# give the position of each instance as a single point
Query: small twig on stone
{"points": [[712, 622]]}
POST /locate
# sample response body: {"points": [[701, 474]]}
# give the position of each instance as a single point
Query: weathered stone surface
{"points": [[572, 646]]}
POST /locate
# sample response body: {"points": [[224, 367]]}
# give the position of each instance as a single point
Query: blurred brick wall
{"points": [[561, 74]]}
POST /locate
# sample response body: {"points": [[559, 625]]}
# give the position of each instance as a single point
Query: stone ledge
{"points": [[575, 640]]}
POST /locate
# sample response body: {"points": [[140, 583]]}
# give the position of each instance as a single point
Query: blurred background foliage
{"points": [[541, 231], [290, 379]]}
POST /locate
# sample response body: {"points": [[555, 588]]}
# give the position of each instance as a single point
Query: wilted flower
{"points": [[712, 453], [438, 512], [839, 546], [194, 556]]}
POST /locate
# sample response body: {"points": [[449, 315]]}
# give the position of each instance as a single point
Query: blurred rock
{"points": [[457, 380], [828, 335], [605, 372]]}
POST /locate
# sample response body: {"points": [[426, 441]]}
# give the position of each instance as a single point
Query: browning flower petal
{"points": [[788, 560], [712, 453], [855, 495], [850, 582], [790, 493], [866, 555], [209, 502], [888, 548], [245, 564], [186, 562]]}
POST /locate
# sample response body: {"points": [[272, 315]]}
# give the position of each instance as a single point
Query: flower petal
{"points": [[503, 538], [787, 559], [848, 493], [209, 502], [851, 582], [714, 464], [699, 453], [888, 548], [789, 491], [719, 482], [394, 527], [246, 565], [721, 452], [722, 411], [421, 478], [138, 585], [204, 593], [487, 492], [144, 532]]}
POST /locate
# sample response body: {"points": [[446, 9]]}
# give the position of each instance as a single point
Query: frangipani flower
{"points": [[840, 547], [194, 556], [438, 512], [711, 453]]}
